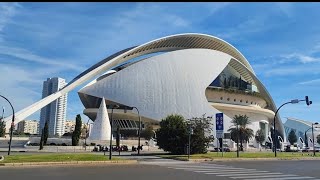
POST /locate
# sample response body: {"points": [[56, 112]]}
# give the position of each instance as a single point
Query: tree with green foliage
{"points": [[2, 128], [244, 133], [172, 135], [202, 135], [225, 84], [318, 139], [77, 131], [148, 132], [41, 140], [277, 142], [45, 133], [260, 136], [292, 137]]}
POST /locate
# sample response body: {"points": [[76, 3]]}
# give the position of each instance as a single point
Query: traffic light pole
{"points": [[294, 101], [12, 124]]}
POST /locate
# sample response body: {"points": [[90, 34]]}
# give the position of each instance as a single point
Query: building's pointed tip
{"points": [[103, 103]]}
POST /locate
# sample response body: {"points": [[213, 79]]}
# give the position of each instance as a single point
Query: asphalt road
{"points": [[158, 169]]}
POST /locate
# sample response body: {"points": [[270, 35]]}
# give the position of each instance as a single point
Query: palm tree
{"points": [[242, 131]]}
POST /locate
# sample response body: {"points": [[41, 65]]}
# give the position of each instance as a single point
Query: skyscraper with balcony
{"points": [[55, 112]]}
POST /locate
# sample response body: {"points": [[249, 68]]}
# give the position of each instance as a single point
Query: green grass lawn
{"points": [[55, 158], [215, 155]]}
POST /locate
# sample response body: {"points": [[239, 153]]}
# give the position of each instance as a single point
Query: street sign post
{"points": [[219, 129], [219, 125]]}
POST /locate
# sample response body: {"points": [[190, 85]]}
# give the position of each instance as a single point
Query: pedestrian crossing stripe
{"points": [[234, 172]]}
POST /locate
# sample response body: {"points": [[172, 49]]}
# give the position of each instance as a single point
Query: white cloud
{"points": [[19, 86], [300, 57], [7, 11], [29, 56], [310, 82], [286, 8], [251, 25]]}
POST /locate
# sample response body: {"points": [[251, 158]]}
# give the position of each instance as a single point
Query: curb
{"points": [[68, 163], [250, 159]]}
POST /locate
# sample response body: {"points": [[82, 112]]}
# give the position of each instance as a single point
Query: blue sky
{"points": [[39, 40]]}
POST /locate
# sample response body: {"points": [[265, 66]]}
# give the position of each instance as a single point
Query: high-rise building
{"points": [[28, 126], [55, 112]]}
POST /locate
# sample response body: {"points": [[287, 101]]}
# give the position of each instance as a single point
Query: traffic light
{"points": [[307, 101]]}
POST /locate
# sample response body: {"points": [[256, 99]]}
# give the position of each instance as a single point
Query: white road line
{"points": [[232, 171], [263, 176], [203, 168], [285, 178], [242, 174], [197, 166]]}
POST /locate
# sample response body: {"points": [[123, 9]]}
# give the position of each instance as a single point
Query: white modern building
{"points": [[28, 126], [55, 112], [303, 131], [189, 74]]}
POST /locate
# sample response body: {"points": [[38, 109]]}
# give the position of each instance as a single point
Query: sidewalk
{"points": [[69, 163], [252, 159]]}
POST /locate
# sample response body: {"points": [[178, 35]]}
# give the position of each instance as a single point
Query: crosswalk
{"points": [[231, 172]]}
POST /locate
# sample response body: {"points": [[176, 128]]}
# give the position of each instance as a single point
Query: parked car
{"points": [[317, 149], [305, 149], [225, 149], [291, 148]]}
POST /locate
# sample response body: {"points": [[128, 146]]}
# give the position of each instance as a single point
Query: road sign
{"points": [[219, 121], [219, 125]]}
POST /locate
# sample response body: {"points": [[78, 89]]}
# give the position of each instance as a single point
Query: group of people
{"points": [[133, 149]]}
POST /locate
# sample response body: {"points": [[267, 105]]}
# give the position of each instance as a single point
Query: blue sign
{"points": [[219, 121]]}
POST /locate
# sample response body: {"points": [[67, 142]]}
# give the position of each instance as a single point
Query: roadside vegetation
{"points": [[55, 158], [173, 134]]}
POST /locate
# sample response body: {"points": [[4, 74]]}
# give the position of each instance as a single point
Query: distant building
{"points": [[55, 112], [303, 131], [69, 126], [28, 126]]}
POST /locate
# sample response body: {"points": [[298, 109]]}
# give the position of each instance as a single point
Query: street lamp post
{"points": [[138, 130], [111, 123], [2, 113], [237, 140], [294, 101], [314, 150], [12, 124]]}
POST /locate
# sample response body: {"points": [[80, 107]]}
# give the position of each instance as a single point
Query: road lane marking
{"points": [[285, 178], [232, 171], [251, 174], [203, 168], [263, 176], [196, 166]]}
